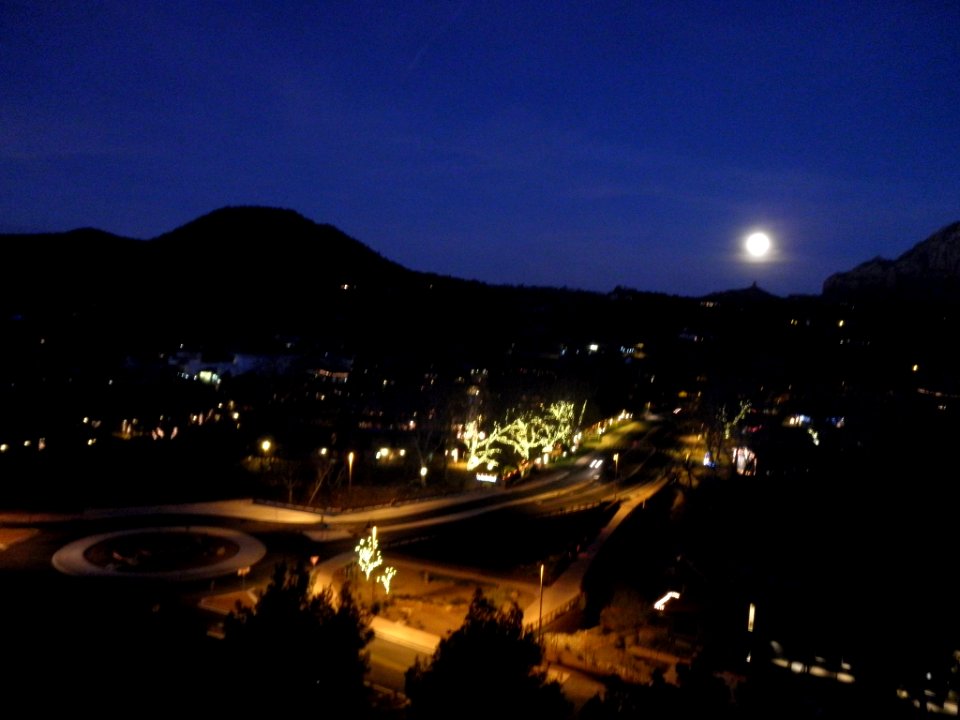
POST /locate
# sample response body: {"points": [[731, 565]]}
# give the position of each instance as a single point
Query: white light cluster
{"points": [[368, 553]]}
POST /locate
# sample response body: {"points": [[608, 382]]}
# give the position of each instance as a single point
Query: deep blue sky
{"points": [[581, 144]]}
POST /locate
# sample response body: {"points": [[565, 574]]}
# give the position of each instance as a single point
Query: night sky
{"points": [[570, 144]]}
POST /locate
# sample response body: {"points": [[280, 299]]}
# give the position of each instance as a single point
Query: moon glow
{"points": [[757, 244]]}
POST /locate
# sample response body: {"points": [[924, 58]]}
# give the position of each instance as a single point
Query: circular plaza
{"points": [[164, 553]]}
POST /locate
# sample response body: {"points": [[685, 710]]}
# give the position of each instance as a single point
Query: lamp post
{"points": [[616, 466], [349, 471], [267, 448], [540, 624]]}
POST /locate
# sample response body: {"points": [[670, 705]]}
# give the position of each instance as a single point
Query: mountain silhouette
{"points": [[255, 273], [928, 271]]}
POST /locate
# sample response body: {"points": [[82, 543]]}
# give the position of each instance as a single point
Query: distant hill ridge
{"points": [[270, 251], [928, 271], [233, 246], [255, 273], [271, 237]]}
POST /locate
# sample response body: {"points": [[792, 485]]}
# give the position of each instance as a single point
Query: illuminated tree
{"points": [[721, 424], [521, 435], [538, 430], [557, 423], [482, 447], [369, 556], [386, 577], [526, 432], [730, 424]]}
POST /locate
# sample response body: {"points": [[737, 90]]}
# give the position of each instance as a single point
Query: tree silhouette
{"points": [[488, 667], [308, 647], [625, 700]]}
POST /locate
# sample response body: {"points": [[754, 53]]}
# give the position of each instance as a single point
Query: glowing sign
{"points": [[486, 478]]}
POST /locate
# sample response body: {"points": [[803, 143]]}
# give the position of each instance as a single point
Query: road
{"points": [[29, 542], [389, 663]]}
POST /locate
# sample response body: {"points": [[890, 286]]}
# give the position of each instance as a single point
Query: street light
{"points": [[266, 451], [540, 624], [616, 465], [349, 471]]}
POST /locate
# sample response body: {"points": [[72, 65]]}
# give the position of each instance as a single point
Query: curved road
{"points": [[63, 539]]}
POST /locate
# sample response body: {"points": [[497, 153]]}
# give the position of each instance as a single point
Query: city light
{"points": [[662, 602]]}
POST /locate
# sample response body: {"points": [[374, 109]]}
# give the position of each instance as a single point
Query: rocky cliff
{"points": [[928, 271]]}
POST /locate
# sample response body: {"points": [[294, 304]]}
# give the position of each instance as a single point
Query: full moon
{"points": [[758, 244]]}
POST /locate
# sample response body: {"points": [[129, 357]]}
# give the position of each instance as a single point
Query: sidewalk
{"points": [[564, 593]]}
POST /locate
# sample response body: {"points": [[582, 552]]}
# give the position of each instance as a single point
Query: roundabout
{"points": [[162, 553]]}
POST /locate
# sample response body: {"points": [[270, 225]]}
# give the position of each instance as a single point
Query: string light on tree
{"points": [[521, 433], [386, 577], [369, 557]]}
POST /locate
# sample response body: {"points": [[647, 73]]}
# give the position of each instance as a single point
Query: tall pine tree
{"points": [[308, 649], [488, 668]]}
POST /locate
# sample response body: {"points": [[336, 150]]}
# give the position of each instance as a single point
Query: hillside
{"points": [[930, 271], [245, 275]]}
